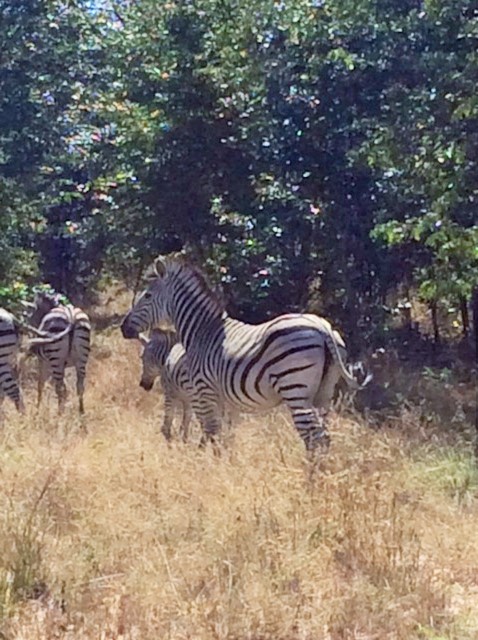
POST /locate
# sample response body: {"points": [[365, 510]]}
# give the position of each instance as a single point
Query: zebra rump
{"points": [[64, 341], [9, 346]]}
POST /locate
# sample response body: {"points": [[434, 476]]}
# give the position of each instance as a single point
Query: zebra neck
{"points": [[198, 327], [194, 312], [200, 334], [160, 355]]}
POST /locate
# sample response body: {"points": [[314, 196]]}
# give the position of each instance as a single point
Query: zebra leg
{"points": [[16, 394], [209, 414], [19, 404], [80, 352], [187, 413], [80, 388], [311, 426], [228, 416], [12, 390], [43, 373], [168, 416], [60, 387], [325, 394]]}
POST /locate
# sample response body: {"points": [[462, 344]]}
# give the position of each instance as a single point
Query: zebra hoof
{"points": [[205, 439], [317, 443]]}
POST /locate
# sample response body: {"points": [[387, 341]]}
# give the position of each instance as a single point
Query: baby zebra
{"points": [[163, 356], [9, 344], [65, 342]]}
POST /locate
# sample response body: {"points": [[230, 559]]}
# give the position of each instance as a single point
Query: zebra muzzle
{"points": [[146, 385], [128, 330]]}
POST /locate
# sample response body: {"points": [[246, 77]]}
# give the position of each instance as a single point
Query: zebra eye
{"points": [[148, 295]]}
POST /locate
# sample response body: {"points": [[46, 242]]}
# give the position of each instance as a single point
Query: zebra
{"points": [[9, 346], [163, 356], [64, 342], [294, 359]]}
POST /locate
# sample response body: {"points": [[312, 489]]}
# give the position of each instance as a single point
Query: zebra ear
{"points": [[160, 266], [157, 269]]}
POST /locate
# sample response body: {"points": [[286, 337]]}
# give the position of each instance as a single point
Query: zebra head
{"points": [[154, 356], [150, 309]]}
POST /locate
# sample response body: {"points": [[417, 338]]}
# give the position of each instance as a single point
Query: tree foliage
{"points": [[309, 152]]}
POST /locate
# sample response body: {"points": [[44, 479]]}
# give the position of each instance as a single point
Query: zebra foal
{"points": [[9, 346], [64, 342], [163, 356], [294, 359]]}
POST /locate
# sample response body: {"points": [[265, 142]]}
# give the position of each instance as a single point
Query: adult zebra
{"points": [[64, 342], [251, 367], [9, 345], [163, 356]]}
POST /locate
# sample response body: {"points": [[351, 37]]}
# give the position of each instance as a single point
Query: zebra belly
{"points": [[251, 405]]}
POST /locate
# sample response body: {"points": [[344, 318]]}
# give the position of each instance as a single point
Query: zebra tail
{"points": [[350, 379], [22, 325], [37, 332], [50, 338]]}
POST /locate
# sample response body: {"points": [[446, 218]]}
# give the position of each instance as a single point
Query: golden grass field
{"points": [[110, 534]]}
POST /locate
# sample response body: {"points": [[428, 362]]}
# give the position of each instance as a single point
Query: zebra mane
{"points": [[180, 264]]}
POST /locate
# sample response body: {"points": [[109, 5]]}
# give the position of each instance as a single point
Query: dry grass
{"points": [[112, 534]]}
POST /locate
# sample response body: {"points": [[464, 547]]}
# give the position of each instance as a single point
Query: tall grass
{"points": [[114, 534]]}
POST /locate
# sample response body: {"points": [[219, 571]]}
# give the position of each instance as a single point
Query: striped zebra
{"points": [[294, 359], [9, 346], [163, 356], [64, 342]]}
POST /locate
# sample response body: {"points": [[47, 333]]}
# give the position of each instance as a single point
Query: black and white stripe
{"points": [[295, 359], [65, 342], [163, 356], [9, 345]]}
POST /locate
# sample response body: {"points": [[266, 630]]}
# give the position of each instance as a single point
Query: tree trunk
{"points": [[474, 311], [436, 328], [465, 318], [139, 277]]}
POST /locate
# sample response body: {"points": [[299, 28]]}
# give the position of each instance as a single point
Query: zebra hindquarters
{"points": [[297, 387]]}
